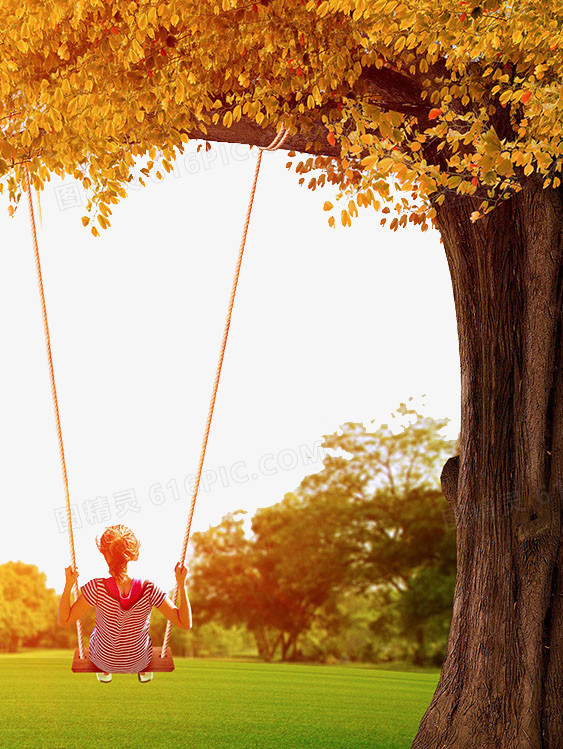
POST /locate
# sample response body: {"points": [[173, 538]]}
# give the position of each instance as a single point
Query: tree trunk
{"points": [[260, 646], [266, 648], [501, 684], [289, 644], [285, 645]]}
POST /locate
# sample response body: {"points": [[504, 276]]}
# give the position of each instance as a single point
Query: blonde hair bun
{"points": [[119, 546]]}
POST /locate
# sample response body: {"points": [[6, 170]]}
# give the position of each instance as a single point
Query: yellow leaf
{"points": [[180, 92], [385, 164], [369, 161]]}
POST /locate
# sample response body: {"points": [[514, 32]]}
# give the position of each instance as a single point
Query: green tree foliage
{"points": [[425, 608], [225, 586], [220, 572], [394, 531], [274, 582], [347, 631], [300, 568]]}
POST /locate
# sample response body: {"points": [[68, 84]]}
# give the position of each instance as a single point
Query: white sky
{"points": [[329, 326]]}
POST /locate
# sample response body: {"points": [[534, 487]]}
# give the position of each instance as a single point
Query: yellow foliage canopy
{"points": [[457, 97]]}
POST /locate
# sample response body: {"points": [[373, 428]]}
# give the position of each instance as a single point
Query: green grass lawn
{"points": [[209, 704]]}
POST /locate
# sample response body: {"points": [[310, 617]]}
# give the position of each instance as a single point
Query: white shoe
{"points": [[103, 677], [145, 676]]}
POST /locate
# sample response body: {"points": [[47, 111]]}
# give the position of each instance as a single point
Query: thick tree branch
{"points": [[390, 90], [449, 479], [247, 131], [393, 91]]}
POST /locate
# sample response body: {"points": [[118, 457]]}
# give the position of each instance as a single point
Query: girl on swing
{"points": [[120, 641]]}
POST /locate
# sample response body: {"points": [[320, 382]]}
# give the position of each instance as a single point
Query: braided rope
{"points": [[274, 145], [54, 395]]}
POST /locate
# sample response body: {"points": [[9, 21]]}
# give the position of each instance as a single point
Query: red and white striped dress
{"points": [[120, 641]]}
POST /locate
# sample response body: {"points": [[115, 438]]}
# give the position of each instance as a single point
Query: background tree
{"points": [[343, 631], [300, 567], [394, 530], [456, 107], [225, 585], [425, 609], [25, 605], [274, 582]]}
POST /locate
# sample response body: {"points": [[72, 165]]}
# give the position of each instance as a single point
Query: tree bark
{"points": [[501, 683]]}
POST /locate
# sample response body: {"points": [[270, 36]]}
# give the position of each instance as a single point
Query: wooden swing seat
{"points": [[85, 665]]}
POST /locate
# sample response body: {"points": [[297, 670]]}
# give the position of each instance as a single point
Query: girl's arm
{"points": [[70, 614], [180, 615]]}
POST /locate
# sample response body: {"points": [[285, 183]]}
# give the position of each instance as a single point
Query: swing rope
{"points": [[274, 145], [54, 395]]}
